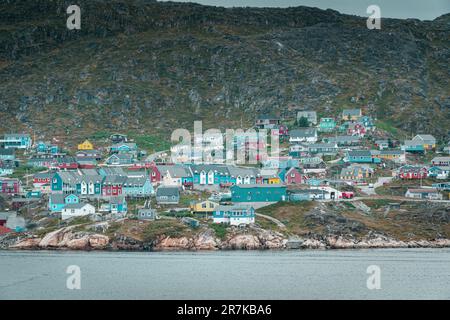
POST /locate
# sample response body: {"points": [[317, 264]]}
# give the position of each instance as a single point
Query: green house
{"points": [[361, 156], [327, 125], [258, 193]]}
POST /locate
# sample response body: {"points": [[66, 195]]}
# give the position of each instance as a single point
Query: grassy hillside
{"points": [[149, 67]]}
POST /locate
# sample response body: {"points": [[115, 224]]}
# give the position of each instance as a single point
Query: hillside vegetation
{"points": [[150, 67]]}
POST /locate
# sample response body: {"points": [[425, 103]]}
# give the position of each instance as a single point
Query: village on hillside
{"points": [[329, 159]]}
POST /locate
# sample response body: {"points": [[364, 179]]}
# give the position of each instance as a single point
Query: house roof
{"points": [[16, 135], [167, 191], [267, 116], [388, 152], [437, 159], [307, 114], [121, 156], [359, 153], [77, 205], [238, 207], [351, 112], [69, 177], [431, 190], [322, 145], [175, 171], [136, 181], [130, 145], [344, 139], [89, 178], [240, 171], [116, 179], [6, 152], [261, 186], [220, 169], [4, 230], [44, 175], [424, 137], [303, 133], [113, 171]]}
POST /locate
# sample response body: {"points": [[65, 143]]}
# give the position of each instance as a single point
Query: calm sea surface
{"points": [[335, 274]]}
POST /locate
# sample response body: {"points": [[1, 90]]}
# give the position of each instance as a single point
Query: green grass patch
{"points": [[166, 228], [220, 230]]}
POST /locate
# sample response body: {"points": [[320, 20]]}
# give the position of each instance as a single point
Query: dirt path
{"points": [[276, 221]]}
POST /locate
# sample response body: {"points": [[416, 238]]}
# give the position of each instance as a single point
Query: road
{"points": [[394, 198], [276, 221], [379, 183]]}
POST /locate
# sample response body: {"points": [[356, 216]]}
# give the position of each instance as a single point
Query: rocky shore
{"points": [[69, 239]]}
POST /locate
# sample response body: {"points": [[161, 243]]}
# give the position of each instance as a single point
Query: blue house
{"points": [[16, 141], [235, 215], [258, 193], [116, 205], [6, 169], [124, 148], [367, 122], [46, 147], [89, 184], [120, 159], [64, 182], [210, 174], [57, 202], [361, 156], [7, 154], [137, 187]]}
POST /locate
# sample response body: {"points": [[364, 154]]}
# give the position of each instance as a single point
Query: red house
{"points": [[412, 172], [9, 186], [3, 219], [155, 174], [67, 163], [113, 186], [293, 176], [4, 230], [42, 178], [356, 129]]}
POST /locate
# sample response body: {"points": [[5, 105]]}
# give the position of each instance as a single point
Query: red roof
{"points": [[4, 230]]}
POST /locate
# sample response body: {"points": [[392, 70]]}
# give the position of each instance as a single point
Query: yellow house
{"points": [[86, 145], [206, 206], [274, 180]]}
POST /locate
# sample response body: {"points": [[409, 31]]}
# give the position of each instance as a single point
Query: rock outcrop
{"points": [[65, 238]]}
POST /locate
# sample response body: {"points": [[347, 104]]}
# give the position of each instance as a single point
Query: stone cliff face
{"points": [[65, 238], [157, 66], [68, 239]]}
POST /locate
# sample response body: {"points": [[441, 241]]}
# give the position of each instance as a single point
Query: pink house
{"points": [[293, 176], [10, 186]]}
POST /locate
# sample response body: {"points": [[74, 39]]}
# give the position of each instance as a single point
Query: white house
{"points": [[429, 193], [308, 135], [77, 210], [235, 215], [329, 192], [311, 116], [173, 175]]}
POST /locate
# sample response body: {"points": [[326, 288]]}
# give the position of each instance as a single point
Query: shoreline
{"points": [[238, 243]]}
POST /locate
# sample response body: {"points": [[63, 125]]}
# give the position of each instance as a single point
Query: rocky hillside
{"points": [[146, 66]]}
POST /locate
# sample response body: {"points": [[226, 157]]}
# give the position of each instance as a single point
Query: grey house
{"points": [[147, 214], [311, 116], [167, 195]]}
